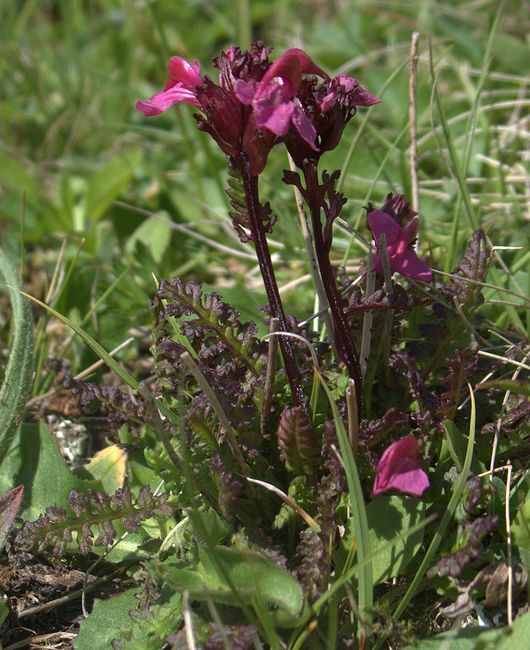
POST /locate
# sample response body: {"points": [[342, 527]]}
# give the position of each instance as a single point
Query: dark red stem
{"points": [[250, 185], [343, 338]]}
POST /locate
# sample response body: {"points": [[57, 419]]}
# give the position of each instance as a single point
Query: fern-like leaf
{"points": [[95, 510], [473, 266], [176, 298], [461, 366]]}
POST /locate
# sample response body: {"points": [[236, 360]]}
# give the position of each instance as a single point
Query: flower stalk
{"points": [[258, 236], [342, 335]]}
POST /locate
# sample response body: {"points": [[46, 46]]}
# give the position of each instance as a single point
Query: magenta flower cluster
{"points": [[256, 104]]}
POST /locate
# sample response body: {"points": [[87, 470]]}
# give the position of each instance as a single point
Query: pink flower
{"points": [[224, 117], [398, 469], [274, 100], [349, 93], [399, 244], [329, 104], [255, 103], [183, 79]]}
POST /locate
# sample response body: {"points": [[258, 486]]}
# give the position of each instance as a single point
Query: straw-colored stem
{"points": [[272, 364]]}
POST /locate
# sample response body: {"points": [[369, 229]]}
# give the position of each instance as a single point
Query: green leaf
{"points": [[389, 516], [358, 508], [106, 184], [108, 620], [253, 578], [18, 376], [108, 466], [35, 461], [17, 177], [155, 234], [521, 532], [517, 386], [475, 638], [149, 630]]}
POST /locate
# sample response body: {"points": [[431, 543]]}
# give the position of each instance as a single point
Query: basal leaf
{"points": [[252, 576], [155, 234], [108, 620], [35, 461], [108, 466], [521, 532], [389, 516], [513, 637], [9, 506]]}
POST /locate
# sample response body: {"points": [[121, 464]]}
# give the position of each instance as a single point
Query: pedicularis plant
{"points": [[301, 471]]}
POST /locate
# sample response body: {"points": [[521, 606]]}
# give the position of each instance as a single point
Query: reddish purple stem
{"points": [[343, 338], [250, 184]]}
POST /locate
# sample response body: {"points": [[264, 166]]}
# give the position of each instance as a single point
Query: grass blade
{"points": [[19, 372], [358, 509]]}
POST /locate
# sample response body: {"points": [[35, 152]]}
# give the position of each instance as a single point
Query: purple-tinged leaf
{"points": [[9, 506]]}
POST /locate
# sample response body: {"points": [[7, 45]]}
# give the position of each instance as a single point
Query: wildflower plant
{"points": [[297, 472]]}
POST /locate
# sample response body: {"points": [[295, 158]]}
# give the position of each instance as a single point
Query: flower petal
{"points": [[160, 102], [290, 66], [410, 480], [357, 95], [304, 126], [180, 71], [398, 469], [279, 119], [382, 223], [246, 91], [411, 266]]}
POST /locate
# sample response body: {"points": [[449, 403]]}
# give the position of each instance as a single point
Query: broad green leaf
{"points": [[35, 461], [389, 516], [252, 576], [16, 176], [17, 381], [149, 630], [154, 234], [108, 466], [108, 620], [106, 184]]}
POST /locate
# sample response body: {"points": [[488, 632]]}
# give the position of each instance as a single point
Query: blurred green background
{"points": [[82, 172]]}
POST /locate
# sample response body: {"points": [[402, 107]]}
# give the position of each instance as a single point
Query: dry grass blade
{"points": [[289, 501]]}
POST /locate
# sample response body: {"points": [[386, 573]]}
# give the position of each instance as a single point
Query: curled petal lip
{"points": [[290, 67]]}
